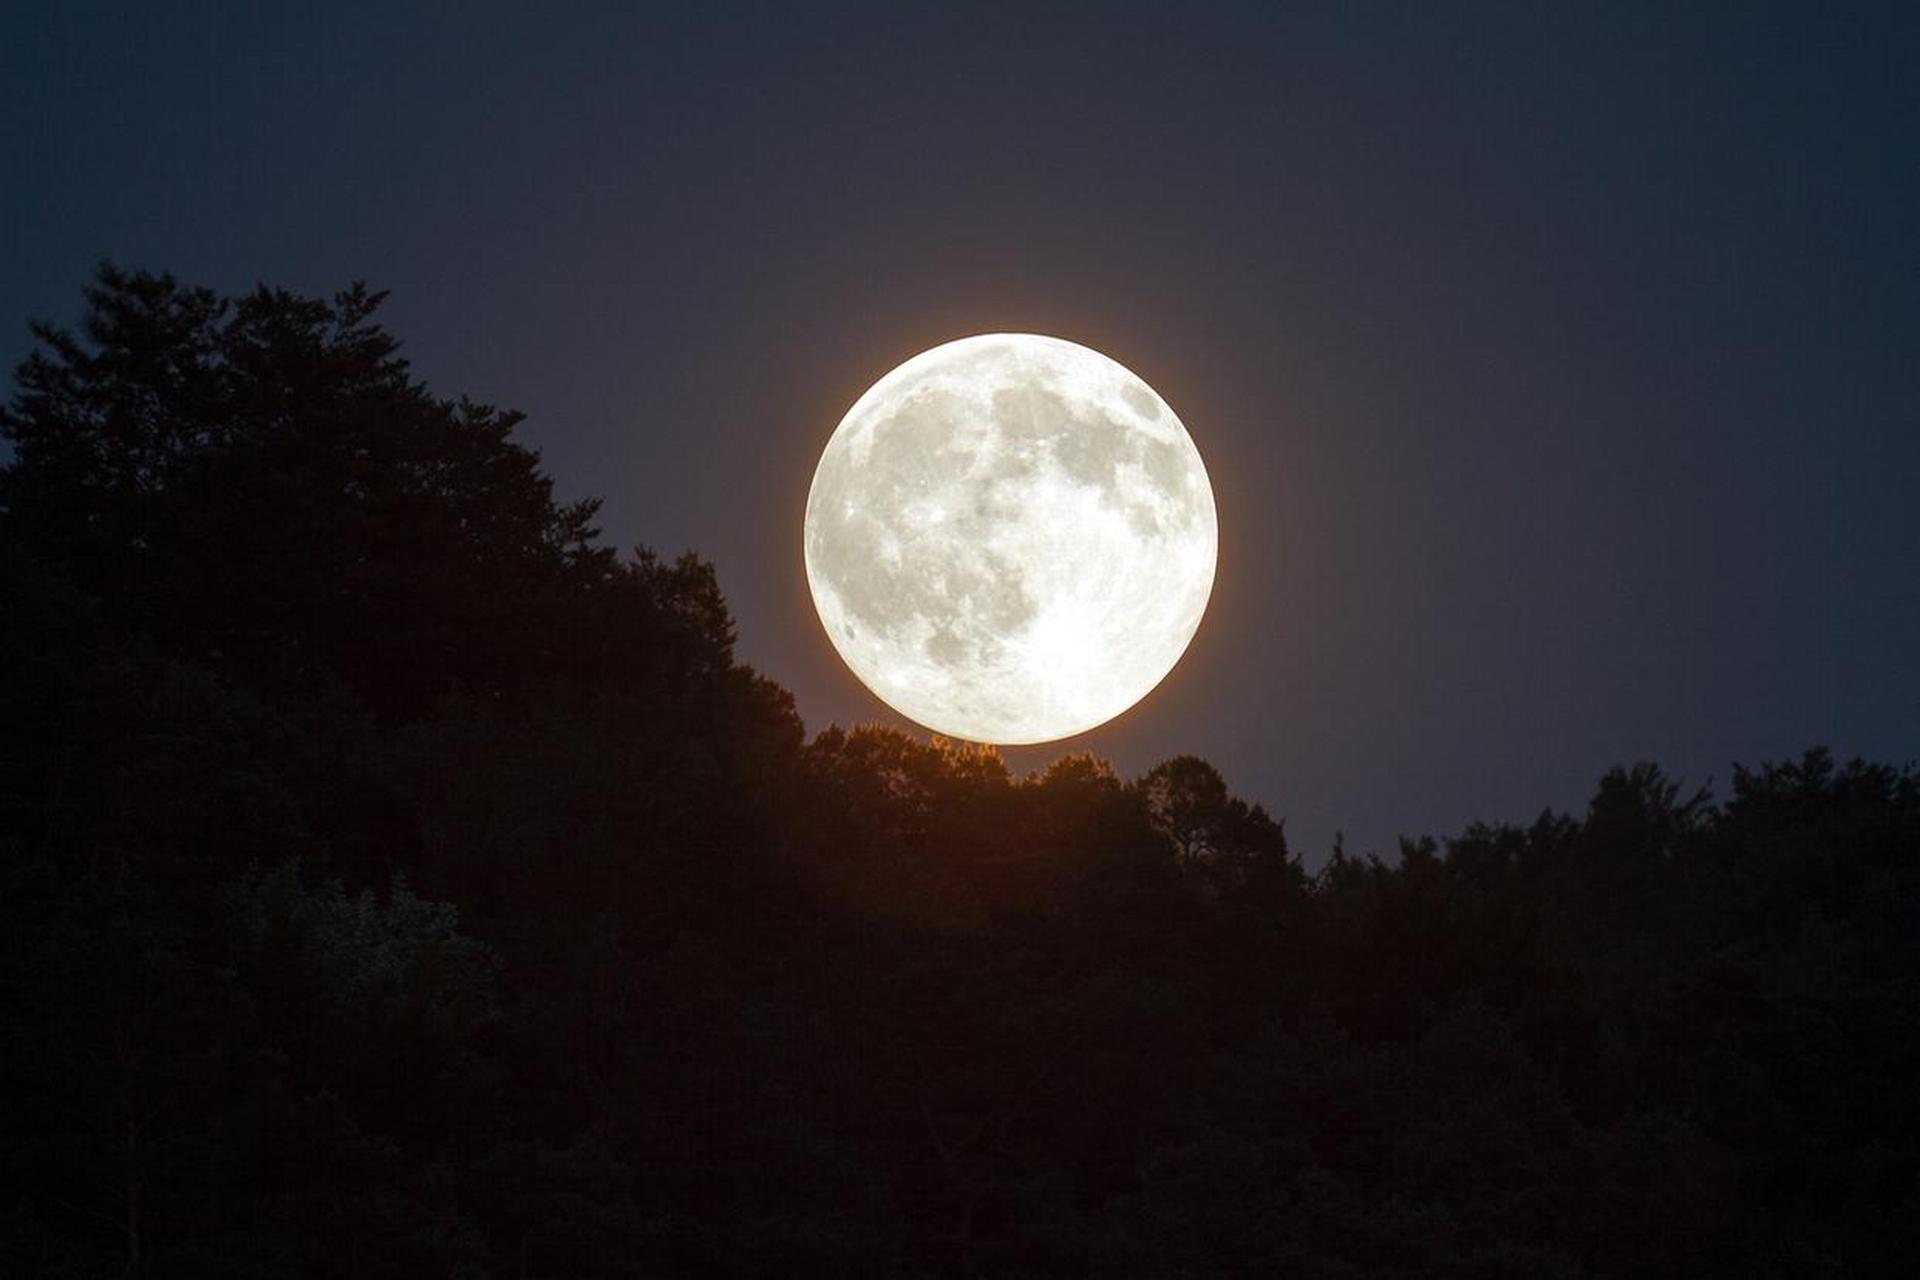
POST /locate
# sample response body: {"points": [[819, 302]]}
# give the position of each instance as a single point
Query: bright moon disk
{"points": [[1010, 538]]}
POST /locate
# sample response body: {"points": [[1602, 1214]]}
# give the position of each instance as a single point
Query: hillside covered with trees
{"points": [[396, 881]]}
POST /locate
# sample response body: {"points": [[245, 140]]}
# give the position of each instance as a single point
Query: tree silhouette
{"points": [[394, 881], [258, 484]]}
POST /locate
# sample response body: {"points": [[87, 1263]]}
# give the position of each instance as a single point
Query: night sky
{"points": [[1558, 369]]}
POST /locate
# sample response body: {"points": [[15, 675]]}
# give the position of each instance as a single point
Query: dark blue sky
{"points": [[1558, 368]]}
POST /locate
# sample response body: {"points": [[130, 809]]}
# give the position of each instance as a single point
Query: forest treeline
{"points": [[399, 882]]}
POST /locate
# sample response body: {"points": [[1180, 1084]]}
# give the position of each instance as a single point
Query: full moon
{"points": [[1010, 538]]}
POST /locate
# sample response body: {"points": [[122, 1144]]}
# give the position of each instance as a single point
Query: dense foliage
{"points": [[396, 882]]}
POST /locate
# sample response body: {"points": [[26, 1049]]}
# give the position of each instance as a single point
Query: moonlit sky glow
{"points": [[1554, 366]]}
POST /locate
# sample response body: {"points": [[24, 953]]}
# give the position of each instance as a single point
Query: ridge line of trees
{"points": [[394, 880]]}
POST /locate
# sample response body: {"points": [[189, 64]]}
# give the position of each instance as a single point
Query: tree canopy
{"points": [[394, 880]]}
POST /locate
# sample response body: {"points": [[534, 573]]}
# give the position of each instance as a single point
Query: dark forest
{"points": [[400, 882]]}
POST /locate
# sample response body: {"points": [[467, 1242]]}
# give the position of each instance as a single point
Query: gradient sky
{"points": [[1558, 367]]}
